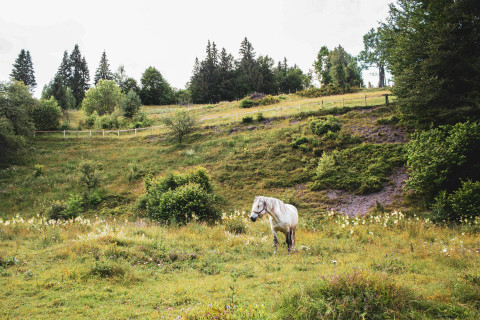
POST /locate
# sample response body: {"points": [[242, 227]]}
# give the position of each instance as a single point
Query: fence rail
{"points": [[306, 107]]}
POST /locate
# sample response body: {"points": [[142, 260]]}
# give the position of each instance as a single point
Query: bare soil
{"points": [[353, 205]]}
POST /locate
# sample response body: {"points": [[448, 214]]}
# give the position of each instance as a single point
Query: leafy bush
{"points": [[38, 170], [89, 174], [362, 169], [440, 158], [236, 226], [140, 120], [463, 203], [300, 142], [181, 197], [181, 124], [352, 296], [247, 119], [322, 126], [259, 117], [107, 121], [131, 104], [246, 103], [91, 119], [103, 98], [265, 101], [46, 114], [65, 210]]}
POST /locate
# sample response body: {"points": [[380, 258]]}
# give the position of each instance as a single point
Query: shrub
{"points": [[131, 104], [246, 103], [247, 119], [265, 101], [181, 197], [440, 158], [65, 210], [134, 172], [323, 126], [89, 174], [351, 296], [38, 170], [107, 121], [236, 226], [46, 114], [362, 169], [463, 203], [91, 119], [297, 142], [140, 120], [103, 98], [181, 124], [259, 117]]}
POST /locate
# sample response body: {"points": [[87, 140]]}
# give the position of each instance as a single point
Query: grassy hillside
{"points": [[115, 263]]}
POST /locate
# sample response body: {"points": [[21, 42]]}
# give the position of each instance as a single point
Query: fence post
{"points": [[298, 108], [386, 99], [365, 100], [103, 133], [90, 133], [118, 133], [322, 104], [135, 132], [343, 102], [64, 133]]}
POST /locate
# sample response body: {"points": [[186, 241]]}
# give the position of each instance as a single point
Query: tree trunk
{"points": [[381, 76]]}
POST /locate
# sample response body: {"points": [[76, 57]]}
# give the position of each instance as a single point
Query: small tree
{"points": [[104, 98], [181, 124], [89, 174], [131, 104], [46, 114], [155, 89], [103, 71]]}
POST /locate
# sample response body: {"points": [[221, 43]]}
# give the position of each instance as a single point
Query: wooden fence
{"points": [[312, 106]]}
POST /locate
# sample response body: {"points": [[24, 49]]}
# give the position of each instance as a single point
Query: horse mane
{"points": [[271, 200]]}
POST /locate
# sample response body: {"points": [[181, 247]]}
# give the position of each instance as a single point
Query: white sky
{"points": [[170, 34]]}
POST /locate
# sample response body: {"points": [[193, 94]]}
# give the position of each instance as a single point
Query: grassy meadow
{"points": [[113, 262]]}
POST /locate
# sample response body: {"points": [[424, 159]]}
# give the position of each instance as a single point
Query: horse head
{"points": [[259, 209]]}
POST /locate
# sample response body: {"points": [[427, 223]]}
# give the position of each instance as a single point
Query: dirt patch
{"points": [[353, 205], [379, 133]]}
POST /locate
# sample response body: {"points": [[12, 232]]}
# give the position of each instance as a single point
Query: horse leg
{"points": [[288, 236], [293, 238], [275, 241]]}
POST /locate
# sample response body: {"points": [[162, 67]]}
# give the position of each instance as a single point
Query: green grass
{"points": [[115, 263], [118, 269]]}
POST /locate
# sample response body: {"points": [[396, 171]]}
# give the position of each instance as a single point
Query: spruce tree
{"points": [[248, 70], [79, 75], [23, 70], [103, 71], [65, 69]]}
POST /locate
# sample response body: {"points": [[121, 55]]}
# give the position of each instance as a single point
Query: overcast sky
{"points": [[170, 34]]}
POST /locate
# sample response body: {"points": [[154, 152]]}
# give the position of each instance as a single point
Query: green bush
{"points": [[103, 98], [131, 104], [246, 103], [235, 226], [259, 117], [91, 119], [265, 101], [440, 158], [107, 121], [461, 204], [46, 114], [89, 174], [323, 126], [181, 197], [38, 170], [297, 142], [140, 120], [362, 169], [350, 296], [247, 119], [65, 210]]}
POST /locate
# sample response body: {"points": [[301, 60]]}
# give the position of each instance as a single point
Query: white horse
{"points": [[283, 217]]}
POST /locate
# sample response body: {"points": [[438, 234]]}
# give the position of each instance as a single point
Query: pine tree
{"points": [[248, 70], [79, 75], [226, 75], [23, 70], [65, 69], [103, 71]]}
